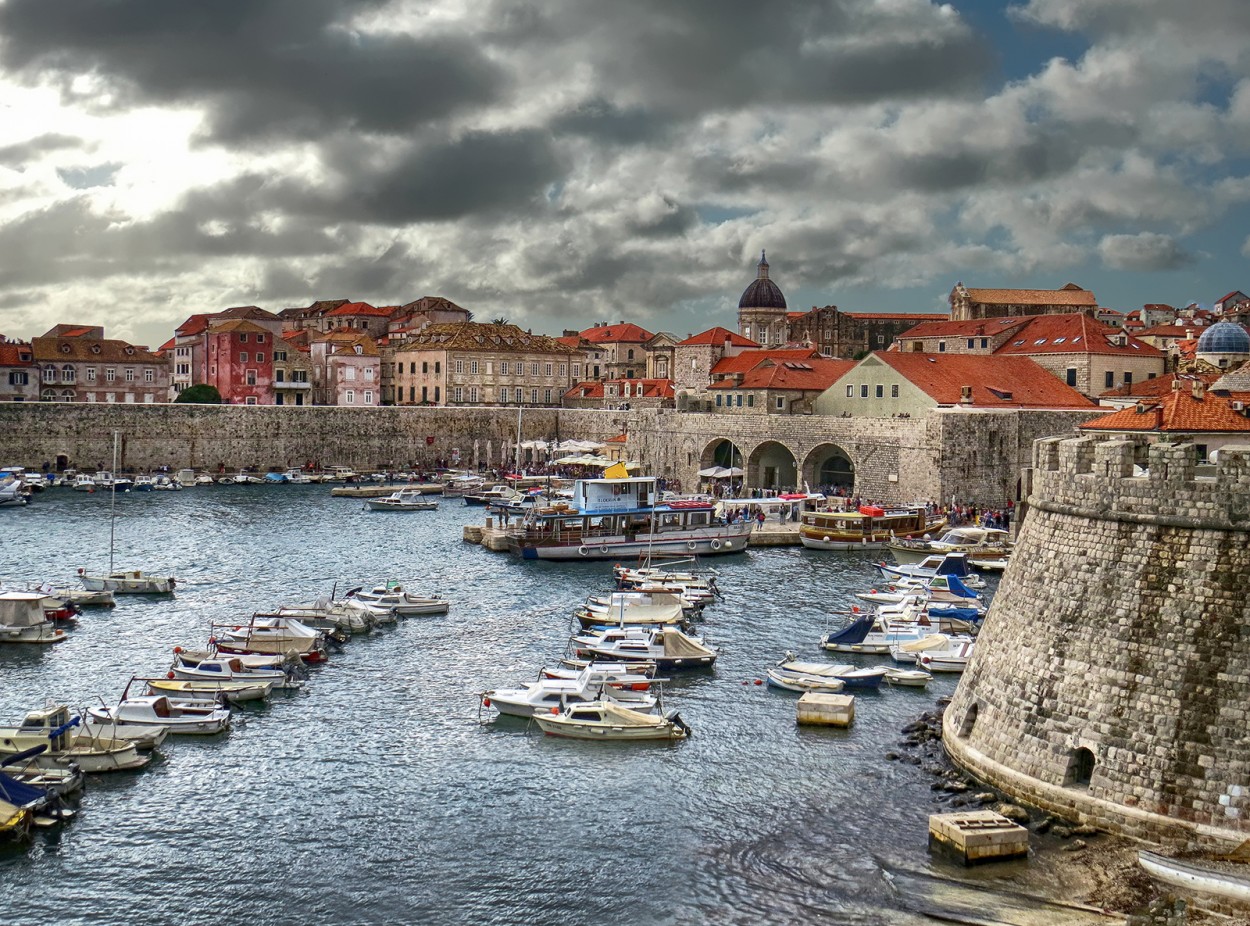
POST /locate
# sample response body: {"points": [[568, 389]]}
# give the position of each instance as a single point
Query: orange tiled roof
{"points": [[811, 374], [12, 352], [100, 350], [196, 324], [996, 381], [360, 308], [240, 325], [749, 359], [718, 336], [368, 348], [975, 328], [1160, 385], [1175, 412], [611, 334], [1077, 296], [1169, 330], [1074, 333], [570, 340], [594, 389]]}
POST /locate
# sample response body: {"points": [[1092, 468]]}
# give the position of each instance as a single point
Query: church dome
{"points": [[763, 293], [1224, 338]]}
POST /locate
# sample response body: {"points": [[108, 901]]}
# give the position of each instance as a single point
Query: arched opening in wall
{"points": [[828, 468], [720, 452], [1080, 769], [62, 462], [970, 720], [771, 465]]}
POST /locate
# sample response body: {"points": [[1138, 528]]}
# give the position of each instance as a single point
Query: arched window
{"points": [[49, 374], [631, 354], [67, 374]]}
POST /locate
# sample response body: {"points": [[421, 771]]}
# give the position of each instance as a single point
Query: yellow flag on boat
{"points": [[616, 471]]}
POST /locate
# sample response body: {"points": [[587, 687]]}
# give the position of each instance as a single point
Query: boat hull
{"points": [[620, 548], [555, 726], [1195, 877], [122, 585]]}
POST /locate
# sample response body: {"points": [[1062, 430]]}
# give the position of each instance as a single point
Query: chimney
{"points": [[1177, 385], [1199, 388], [965, 396]]}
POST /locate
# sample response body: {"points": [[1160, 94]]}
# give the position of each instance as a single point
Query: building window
{"points": [[781, 403], [473, 394], [718, 399], [534, 369], [473, 367], [149, 375], [459, 366], [243, 338], [549, 368], [863, 391], [563, 370], [894, 391], [533, 396], [1128, 378], [279, 376], [971, 343], [67, 374], [251, 377], [110, 375], [519, 394], [880, 392], [425, 393], [457, 395], [91, 372], [438, 367], [850, 392], [130, 374], [412, 368], [49, 375], [1070, 378], [503, 368], [368, 397], [577, 369], [250, 400], [546, 396], [350, 396], [260, 339], [18, 378], [349, 373], [751, 400], [985, 342], [243, 357], [941, 347], [412, 394], [260, 357], [369, 374], [1080, 769], [1109, 379], [279, 356], [425, 367]]}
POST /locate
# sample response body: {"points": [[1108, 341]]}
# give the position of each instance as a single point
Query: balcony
{"points": [[296, 387]]}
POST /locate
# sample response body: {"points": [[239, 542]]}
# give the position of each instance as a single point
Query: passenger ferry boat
{"points": [[620, 519], [868, 528]]}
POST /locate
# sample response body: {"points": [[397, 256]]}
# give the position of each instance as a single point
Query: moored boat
{"points": [[983, 543], [866, 528], [1227, 879], [609, 721], [397, 599], [53, 727], [181, 717], [130, 582], [200, 689], [23, 619], [590, 684], [408, 498]]}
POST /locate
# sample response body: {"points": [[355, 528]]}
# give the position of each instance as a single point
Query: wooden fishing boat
{"points": [[866, 528]]}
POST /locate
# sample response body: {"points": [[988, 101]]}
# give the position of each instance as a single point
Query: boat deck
{"points": [[491, 536]]}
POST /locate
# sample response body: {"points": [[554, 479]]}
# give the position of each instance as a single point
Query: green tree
{"points": [[500, 321], [201, 394]]}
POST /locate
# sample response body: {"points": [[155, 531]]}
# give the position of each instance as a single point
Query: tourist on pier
{"points": [[759, 519]]}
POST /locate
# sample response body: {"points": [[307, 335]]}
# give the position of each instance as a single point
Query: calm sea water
{"points": [[376, 796]]}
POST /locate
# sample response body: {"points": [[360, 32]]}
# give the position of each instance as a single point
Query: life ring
{"points": [[603, 549], [582, 550], [691, 545], [715, 544]]}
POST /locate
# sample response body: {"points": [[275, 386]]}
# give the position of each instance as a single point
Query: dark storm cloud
{"points": [[732, 53], [263, 68], [601, 120], [19, 155], [1143, 252]]}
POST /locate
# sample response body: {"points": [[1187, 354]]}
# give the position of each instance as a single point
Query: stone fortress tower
{"points": [[1111, 682], [762, 310]]}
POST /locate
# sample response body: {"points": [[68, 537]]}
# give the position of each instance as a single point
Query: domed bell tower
{"points": [[762, 309]]}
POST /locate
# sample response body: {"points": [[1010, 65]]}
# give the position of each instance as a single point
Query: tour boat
{"points": [[24, 619], [396, 598], [182, 717], [620, 519], [983, 543], [867, 528], [591, 684], [405, 499], [606, 720], [54, 728]]}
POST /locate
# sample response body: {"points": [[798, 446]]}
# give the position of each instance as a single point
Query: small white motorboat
{"points": [[270, 634], [408, 498], [939, 652], [181, 717], [907, 678], [54, 728], [395, 598], [208, 690], [591, 684], [23, 619], [849, 676], [790, 680], [144, 736], [664, 646], [130, 582], [609, 721], [232, 668]]}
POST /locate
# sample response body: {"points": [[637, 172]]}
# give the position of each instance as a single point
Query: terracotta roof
{"points": [[1235, 294], [1177, 411], [483, 337], [975, 328], [1077, 296], [1075, 333], [811, 374], [718, 336], [899, 316], [236, 325], [196, 324], [368, 348], [48, 350], [996, 381], [167, 346], [1235, 380], [571, 340], [1160, 385], [625, 332], [1169, 330], [749, 359], [246, 311], [594, 389], [12, 352], [360, 308]]}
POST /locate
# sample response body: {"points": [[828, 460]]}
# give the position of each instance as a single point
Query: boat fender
{"points": [[715, 544], [582, 551], [826, 538], [177, 650], [603, 549], [169, 674], [81, 570], [486, 702], [690, 544], [555, 710]]}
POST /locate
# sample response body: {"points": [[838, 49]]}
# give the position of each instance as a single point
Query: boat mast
{"points": [[113, 504], [517, 468]]}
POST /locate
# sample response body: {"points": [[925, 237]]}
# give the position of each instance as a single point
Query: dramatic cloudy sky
{"points": [[560, 162]]}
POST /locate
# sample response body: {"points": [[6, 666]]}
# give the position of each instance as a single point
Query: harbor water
{"points": [[380, 794]]}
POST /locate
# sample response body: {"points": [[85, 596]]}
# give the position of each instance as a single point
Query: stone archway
{"points": [[721, 452], [771, 465], [829, 468]]}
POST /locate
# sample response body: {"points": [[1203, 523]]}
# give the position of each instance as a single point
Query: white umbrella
{"points": [[713, 472]]}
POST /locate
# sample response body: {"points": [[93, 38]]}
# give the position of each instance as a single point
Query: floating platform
{"points": [[978, 836], [828, 710]]}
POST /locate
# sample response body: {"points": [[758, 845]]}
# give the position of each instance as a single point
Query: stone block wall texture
{"points": [[972, 456], [1121, 628]]}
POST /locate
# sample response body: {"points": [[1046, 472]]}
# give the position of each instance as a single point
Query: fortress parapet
{"points": [[1111, 682]]}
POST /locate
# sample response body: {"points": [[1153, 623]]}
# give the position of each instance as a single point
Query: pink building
{"points": [[239, 357]]}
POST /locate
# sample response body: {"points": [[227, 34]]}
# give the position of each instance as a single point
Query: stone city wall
{"points": [[973, 456], [1111, 682]]}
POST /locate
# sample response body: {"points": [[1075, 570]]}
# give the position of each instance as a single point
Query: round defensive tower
{"points": [[1111, 682]]}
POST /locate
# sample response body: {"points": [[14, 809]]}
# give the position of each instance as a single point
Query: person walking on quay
{"points": [[759, 519]]}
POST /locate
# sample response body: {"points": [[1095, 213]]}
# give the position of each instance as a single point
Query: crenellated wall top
{"points": [[1138, 481]]}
